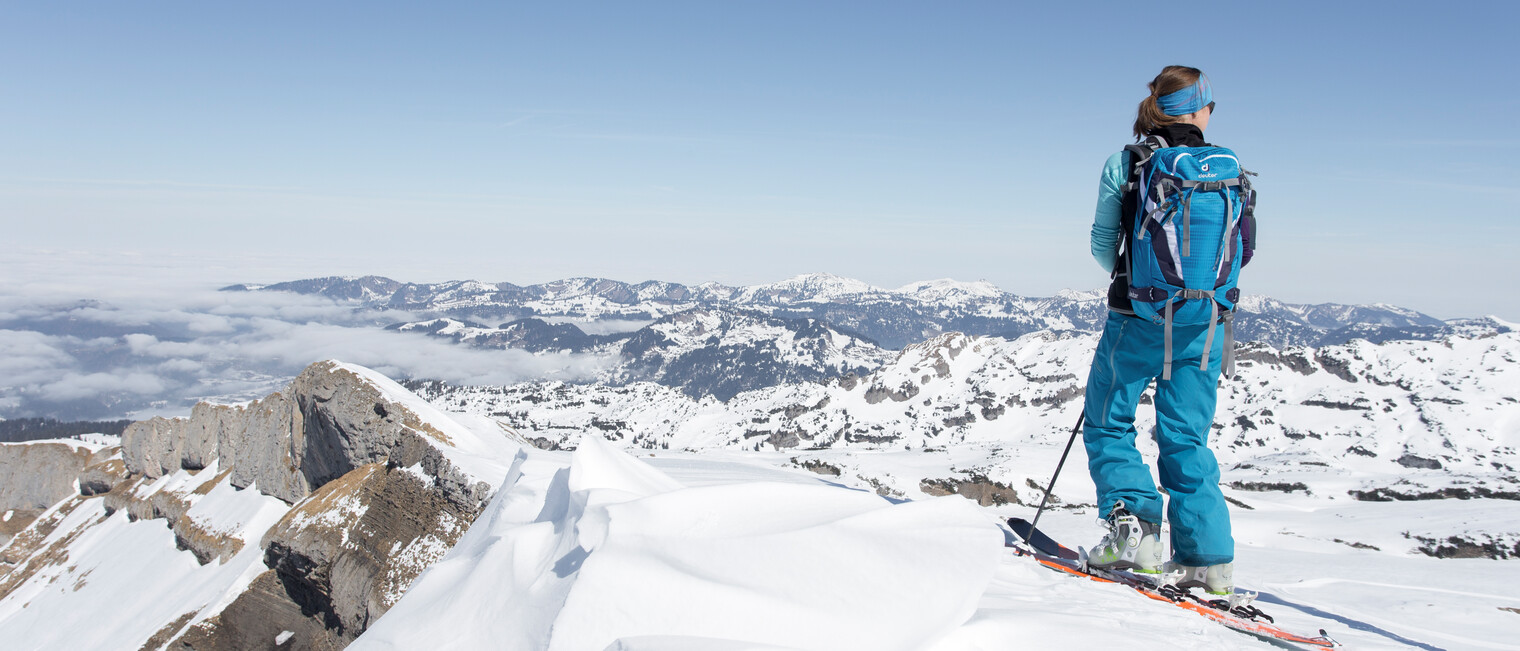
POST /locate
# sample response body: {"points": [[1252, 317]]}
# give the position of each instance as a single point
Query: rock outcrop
{"points": [[39, 474], [256, 440], [347, 554], [329, 421], [379, 485]]}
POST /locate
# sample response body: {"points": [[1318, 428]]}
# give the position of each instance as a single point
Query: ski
{"points": [[1245, 619], [1039, 541]]}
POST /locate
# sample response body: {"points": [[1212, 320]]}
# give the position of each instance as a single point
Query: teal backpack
{"points": [[1187, 211]]}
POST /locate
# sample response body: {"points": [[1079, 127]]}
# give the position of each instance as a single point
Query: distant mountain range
{"points": [[891, 318], [718, 340]]}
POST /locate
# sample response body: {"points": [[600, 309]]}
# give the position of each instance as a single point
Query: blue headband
{"points": [[1188, 100]]}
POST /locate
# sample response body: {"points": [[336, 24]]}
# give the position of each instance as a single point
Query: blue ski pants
{"points": [[1129, 356]]}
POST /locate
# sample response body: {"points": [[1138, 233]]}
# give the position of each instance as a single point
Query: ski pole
{"points": [[1053, 477]]}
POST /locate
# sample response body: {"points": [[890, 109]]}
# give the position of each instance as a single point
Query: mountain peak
{"points": [[807, 287], [1082, 295], [949, 289]]}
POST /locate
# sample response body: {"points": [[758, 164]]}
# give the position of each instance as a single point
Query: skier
{"points": [[1133, 351]]}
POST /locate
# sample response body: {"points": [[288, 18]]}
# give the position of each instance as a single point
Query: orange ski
{"points": [[1264, 630]]}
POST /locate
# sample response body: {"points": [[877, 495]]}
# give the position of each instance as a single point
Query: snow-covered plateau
{"points": [[1374, 487]]}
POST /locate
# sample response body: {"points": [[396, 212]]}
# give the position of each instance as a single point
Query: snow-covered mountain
{"points": [[702, 351], [1373, 488], [891, 318], [1354, 420]]}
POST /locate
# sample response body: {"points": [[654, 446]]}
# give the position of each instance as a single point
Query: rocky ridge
{"points": [[311, 509]]}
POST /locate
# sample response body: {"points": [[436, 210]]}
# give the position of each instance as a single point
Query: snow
{"points": [[602, 550], [816, 287], [90, 442], [102, 440], [124, 580], [1082, 295], [283, 637], [611, 548], [674, 531], [950, 291]]}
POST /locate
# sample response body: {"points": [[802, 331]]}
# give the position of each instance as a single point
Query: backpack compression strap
{"points": [[1187, 206], [1156, 294], [1227, 367]]}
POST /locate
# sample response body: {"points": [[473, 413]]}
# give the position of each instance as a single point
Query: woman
{"points": [[1129, 356]]}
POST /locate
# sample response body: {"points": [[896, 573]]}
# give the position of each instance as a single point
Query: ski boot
{"points": [[1214, 579], [1131, 544]]}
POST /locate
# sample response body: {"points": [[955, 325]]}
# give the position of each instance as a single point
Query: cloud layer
{"points": [[90, 350]]}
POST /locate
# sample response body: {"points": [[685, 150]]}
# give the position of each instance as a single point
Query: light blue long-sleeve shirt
{"points": [[1106, 222]]}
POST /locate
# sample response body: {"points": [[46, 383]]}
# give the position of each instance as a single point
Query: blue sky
{"points": [[746, 142]]}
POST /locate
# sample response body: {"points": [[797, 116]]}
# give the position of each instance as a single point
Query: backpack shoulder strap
{"points": [[1139, 155]]}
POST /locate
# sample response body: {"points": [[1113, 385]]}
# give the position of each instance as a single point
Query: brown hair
{"points": [[1172, 79]]}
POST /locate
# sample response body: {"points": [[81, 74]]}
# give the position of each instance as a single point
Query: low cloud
{"points": [[600, 326], [24, 353], [75, 386], [88, 351]]}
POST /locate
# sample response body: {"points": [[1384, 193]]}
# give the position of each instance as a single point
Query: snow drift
{"points": [[611, 553]]}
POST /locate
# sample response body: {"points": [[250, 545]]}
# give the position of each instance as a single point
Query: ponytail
{"points": [[1149, 117]]}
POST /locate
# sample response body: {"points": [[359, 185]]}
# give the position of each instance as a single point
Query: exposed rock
{"points": [[326, 423], [1334, 361], [819, 466], [1294, 359], [35, 476], [1468, 547], [263, 447], [341, 558], [255, 440], [18, 521], [163, 635], [1412, 461], [256, 618], [975, 487], [1264, 486], [371, 471], [1361, 404], [39, 475], [783, 439], [101, 478], [160, 446], [902, 393], [1392, 494], [206, 544]]}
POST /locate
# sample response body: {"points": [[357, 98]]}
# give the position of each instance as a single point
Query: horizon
{"points": [[743, 143], [81, 275]]}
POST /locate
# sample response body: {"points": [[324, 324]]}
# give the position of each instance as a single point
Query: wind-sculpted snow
{"points": [[610, 553]]}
